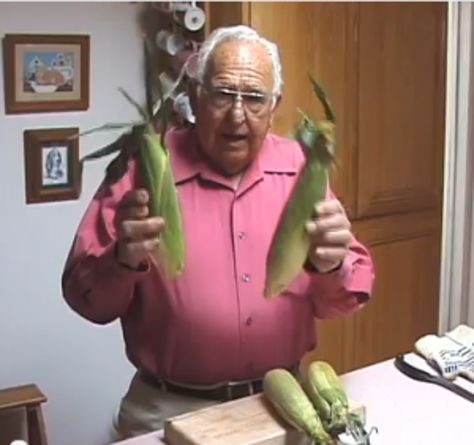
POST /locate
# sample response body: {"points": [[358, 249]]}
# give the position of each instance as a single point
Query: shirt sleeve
{"points": [[94, 283], [345, 290]]}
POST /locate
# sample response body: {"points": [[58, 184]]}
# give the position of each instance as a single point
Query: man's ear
{"points": [[277, 103], [275, 106]]}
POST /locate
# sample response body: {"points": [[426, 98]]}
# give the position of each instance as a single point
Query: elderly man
{"points": [[210, 335]]}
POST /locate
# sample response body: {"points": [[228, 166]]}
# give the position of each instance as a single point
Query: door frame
{"points": [[457, 253]]}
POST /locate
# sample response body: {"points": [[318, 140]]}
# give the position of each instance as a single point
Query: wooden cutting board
{"points": [[247, 421]]}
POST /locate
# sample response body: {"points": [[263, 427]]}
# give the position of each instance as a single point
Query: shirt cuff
{"points": [[107, 267], [349, 276], [144, 266]]}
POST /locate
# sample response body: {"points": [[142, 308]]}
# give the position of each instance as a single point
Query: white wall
{"points": [[81, 367]]}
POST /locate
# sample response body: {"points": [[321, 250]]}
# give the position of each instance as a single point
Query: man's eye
{"points": [[217, 95], [254, 99], [221, 94]]}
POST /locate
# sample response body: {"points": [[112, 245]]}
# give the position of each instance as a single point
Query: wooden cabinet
{"points": [[383, 65], [400, 107]]}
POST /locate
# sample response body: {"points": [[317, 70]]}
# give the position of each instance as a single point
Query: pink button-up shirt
{"points": [[212, 323]]}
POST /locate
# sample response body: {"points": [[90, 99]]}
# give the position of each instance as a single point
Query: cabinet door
{"points": [[400, 149], [401, 107], [316, 39], [406, 252]]}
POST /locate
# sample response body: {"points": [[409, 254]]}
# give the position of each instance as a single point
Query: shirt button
{"points": [[249, 321], [241, 235], [246, 278]]}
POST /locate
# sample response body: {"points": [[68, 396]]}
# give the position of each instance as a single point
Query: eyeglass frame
{"points": [[240, 95]]}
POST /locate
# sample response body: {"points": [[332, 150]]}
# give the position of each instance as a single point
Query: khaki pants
{"points": [[144, 408]]}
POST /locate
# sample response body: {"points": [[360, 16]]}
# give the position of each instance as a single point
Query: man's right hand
{"points": [[137, 233]]}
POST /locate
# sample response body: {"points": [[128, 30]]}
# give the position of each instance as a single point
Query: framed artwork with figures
{"points": [[46, 73], [52, 167]]}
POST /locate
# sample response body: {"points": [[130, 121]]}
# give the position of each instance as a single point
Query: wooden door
{"points": [[400, 145], [383, 65]]}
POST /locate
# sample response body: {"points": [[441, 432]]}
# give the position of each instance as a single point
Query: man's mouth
{"points": [[234, 137]]}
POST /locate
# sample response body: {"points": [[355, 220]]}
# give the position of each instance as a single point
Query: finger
{"points": [[335, 222], [135, 197], [140, 249], [140, 230], [133, 205], [330, 254], [133, 212], [328, 207], [311, 228], [339, 238]]}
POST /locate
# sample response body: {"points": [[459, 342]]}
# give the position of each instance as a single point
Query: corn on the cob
{"points": [[328, 395], [291, 402], [157, 176], [154, 166], [290, 244]]}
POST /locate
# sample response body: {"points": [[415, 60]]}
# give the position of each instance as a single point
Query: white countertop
{"points": [[405, 411], [409, 412]]}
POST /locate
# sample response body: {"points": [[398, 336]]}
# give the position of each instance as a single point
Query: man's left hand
{"points": [[330, 234]]}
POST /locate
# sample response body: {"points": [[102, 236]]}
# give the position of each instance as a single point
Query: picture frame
{"points": [[52, 167], [46, 73]]}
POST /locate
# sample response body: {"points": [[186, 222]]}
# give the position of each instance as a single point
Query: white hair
{"points": [[242, 33]]}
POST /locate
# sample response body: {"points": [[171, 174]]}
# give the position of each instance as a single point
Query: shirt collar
{"points": [[186, 160], [275, 156]]}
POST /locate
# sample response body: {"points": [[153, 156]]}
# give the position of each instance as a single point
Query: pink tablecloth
{"points": [[405, 411]]}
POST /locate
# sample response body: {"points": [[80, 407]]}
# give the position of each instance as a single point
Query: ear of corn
{"points": [[141, 142], [289, 248], [157, 176], [328, 395], [292, 404]]}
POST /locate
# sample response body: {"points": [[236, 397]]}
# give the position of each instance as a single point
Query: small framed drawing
{"points": [[52, 168], [45, 73]]}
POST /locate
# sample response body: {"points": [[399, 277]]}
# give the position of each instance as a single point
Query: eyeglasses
{"points": [[223, 98]]}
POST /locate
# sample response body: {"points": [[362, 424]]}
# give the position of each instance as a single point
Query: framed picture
{"points": [[52, 168], [45, 73]]}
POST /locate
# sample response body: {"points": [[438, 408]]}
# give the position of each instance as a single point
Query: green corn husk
{"points": [[142, 142], [290, 244], [293, 405], [326, 391], [328, 395], [157, 176]]}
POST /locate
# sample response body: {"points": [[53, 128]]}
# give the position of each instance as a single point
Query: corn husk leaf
{"points": [[141, 141], [292, 404], [289, 248]]}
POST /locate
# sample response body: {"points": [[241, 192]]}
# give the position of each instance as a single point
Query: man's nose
{"points": [[237, 110]]}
